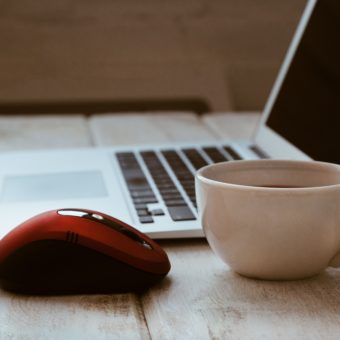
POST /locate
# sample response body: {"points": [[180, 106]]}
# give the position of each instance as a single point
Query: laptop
{"points": [[152, 186]]}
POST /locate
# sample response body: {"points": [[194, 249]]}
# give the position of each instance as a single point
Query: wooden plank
{"points": [[22, 132], [137, 128], [232, 124], [71, 317], [203, 299]]}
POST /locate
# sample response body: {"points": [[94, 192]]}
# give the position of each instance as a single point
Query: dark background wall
{"points": [[113, 52]]}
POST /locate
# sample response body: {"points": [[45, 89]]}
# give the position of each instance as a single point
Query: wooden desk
{"points": [[201, 298]]}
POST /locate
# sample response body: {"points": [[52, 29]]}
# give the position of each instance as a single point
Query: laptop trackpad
{"points": [[57, 186]]}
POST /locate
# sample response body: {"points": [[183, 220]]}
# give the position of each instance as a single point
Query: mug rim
{"points": [[272, 164]]}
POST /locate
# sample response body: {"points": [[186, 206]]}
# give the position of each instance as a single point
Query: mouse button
{"points": [[122, 249], [105, 239], [135, 237], [119, 249], [134, 234], [120, 227], [151, 261], [33, 229]]}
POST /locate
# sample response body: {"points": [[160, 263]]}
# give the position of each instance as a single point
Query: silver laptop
{"points": [[152, 186]]}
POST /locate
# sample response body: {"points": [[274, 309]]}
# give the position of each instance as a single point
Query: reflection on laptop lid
{"points": [[304, 107]]}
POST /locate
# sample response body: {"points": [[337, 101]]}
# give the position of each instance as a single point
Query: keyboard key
{"points": [[188, 184], [145, 219], [157, 212], [170, 203], [215, 154], [136, 187], [167, 187], [195, 158], [232, 152], [136, 194], [181, 213], [261, 154], [140, 206], [172, 197], [163, 183], [143, 212], [146, 200], [168, 191]]}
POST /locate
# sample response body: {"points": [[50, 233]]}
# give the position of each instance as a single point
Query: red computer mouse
{"points": [[74, 251]]}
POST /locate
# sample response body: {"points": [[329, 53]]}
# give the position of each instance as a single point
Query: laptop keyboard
{"points": [[169, 192], [173, 199], [182, 173], [138, 186]]}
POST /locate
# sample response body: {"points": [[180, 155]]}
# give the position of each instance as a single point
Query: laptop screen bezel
{"points": [[265, 138]]}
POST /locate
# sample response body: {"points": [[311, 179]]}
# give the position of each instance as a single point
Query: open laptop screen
{"points": [[306, 111]]}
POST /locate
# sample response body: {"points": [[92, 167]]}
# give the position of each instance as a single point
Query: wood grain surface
{"points": [[200, 298], [71, 317], [203, 299]]}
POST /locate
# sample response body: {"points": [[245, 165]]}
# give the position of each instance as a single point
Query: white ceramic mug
{"points": [[272, 219]]}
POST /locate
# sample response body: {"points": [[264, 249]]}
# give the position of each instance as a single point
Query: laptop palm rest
{"points": [[53, 186]]}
